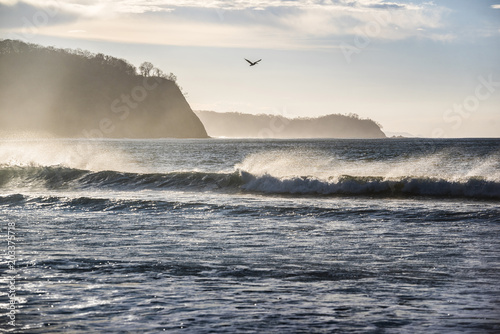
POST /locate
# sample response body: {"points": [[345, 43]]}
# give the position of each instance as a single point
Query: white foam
{"points": [[296, 164]]}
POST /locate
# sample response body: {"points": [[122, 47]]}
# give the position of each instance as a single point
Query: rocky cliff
{"points": [[73, 93]]}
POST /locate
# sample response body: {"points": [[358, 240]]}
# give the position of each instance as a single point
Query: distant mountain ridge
{"points": [[74, 93], [239, 125]]}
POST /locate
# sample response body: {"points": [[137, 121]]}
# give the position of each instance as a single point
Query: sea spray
{"points": [[71, 153], [324, 166]]}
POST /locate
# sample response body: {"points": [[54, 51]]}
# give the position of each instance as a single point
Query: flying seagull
{"points": [[252, 63]]}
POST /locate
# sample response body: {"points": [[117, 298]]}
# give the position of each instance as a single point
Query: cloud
{"points": [[21, 14], [96, 7], [252, 23], [387, 6]]}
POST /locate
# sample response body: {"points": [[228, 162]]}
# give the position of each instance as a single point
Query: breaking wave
{"points": [[63, 178], [366, 185], [70, 178]]}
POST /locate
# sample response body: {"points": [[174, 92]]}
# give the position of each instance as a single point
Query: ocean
{"points": [[250, 236]]}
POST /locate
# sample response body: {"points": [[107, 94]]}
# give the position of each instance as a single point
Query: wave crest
{"points": [[60, 178], [371, 185], [56, 177]]}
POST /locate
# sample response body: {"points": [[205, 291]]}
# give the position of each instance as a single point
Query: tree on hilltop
{"points": [[146, 68]]}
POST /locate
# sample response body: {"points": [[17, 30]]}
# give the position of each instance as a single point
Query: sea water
{"points": [[250, 236]]}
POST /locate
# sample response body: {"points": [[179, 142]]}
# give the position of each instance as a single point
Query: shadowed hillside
{"points": [[74, 93], [240, 125]]}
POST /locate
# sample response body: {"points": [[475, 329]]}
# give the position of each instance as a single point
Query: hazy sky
{"points": [[429, 68]]}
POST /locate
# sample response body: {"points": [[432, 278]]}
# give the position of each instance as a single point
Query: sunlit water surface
{"points": [[251, 236]]}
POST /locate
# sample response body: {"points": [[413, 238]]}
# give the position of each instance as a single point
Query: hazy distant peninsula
{"points": [[74, 93], [234, 124]]}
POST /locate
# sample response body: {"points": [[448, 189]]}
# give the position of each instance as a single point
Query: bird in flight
{"points": [[252, 63]]}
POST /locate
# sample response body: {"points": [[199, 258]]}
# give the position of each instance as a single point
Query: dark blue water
{"points": [[249, 236]]}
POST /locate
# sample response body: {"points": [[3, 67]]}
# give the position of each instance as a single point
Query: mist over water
{"points": [[78, 154], [317, 164]]}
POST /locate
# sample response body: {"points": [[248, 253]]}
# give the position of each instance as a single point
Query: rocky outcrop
{"points": [[73, 93]]}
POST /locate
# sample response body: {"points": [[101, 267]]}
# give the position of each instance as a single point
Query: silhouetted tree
{"points": [[171, 77], [146, 68], [157, 72], [100, 58]]}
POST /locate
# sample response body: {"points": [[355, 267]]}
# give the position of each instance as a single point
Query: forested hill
{"points": [[75, 93], [234, 124]]}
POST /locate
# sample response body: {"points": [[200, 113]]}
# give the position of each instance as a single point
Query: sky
{"points": [[426, 68]]}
